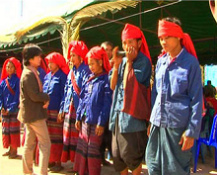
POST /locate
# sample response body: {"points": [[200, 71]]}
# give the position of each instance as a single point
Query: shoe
{"points": [[6, 154], [56, 169], [12, 156], [52, 164]]}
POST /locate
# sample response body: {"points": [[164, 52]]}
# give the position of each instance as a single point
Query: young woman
{"points": [[9, 102], [54, 83], [93, 113], [77, 76]]}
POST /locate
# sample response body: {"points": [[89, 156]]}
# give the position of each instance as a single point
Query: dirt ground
{"points": [[14, 166]]}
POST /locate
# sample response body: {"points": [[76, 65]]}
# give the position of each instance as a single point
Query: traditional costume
{"points": [[9, 101], [130, 109], [93, 110], [54, 84], [69, 104], [177, 106]]}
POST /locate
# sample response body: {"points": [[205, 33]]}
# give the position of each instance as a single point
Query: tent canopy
{"points": [[195, 16]]}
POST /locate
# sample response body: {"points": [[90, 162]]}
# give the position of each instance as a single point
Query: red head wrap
{"points": [[58, 59], [79, 48], [166, 28], [44, 65], [17, 65], [99, 53], [132, 32]]}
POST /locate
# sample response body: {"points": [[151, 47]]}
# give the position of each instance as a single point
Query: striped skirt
{"points": [[70, 136], [88, 156], [56, 136], [10, 131]]}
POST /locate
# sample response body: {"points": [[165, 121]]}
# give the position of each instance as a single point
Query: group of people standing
{"points": [[68, 114]]}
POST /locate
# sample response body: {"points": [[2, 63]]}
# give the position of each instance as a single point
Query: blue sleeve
{"points": [[86, 73], [62, 86], [80, 105], [107, 100], [15, 101], [195, 94], [142, 70], [66, 86], [1, 95]]}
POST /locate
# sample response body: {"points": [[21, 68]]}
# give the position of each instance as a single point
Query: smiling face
{"points": [[10, 69], [95, 66]]}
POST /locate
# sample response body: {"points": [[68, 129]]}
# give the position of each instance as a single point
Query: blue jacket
{"points": [[7, 100], [81, 76], [177, 94], [95, 101], [54, 87]]}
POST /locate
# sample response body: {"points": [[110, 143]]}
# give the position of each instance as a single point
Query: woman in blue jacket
{"points": [[93, 113]]}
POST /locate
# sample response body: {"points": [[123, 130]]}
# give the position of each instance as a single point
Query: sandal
{"points": [[6, 154], [12, 156], [56, 169]]}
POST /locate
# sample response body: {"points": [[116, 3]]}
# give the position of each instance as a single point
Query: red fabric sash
{"points": [[74, 84], [137, 98], [9, 87]]}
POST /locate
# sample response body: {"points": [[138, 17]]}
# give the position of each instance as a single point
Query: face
{"points": [[169, 44], [128, 43], [53, 67], [10, 68], [108, 50], [75, 59], [35, 61], [95, 66]]}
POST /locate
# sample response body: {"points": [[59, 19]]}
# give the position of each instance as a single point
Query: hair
{"points": [[29, 52], [173, 19], [209, 82], [107, 43]]}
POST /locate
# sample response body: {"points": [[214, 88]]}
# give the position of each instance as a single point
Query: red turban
{"points": [[99, 53], [16, 64], [79, 48], [58, 59], [132, 32], [166, 28]]}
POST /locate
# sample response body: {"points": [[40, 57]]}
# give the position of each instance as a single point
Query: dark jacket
{"points": [[31, 99]]}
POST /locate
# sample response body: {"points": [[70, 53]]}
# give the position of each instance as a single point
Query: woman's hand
{"points": [[78, 125], [99, 130], [60, 117]]}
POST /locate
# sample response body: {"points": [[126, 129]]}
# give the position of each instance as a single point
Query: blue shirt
{"points": [[95, 101], [54, 87], [7, 100], [127, 123], [177, 94], [81, 76], [42, 74]]}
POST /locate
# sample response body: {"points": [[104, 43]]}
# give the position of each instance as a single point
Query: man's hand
{"points": [[46, 104], [186, 142], [148, 129], [60, 117], [99, 130], [116, 59], [131, 53], [4, 112]]}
